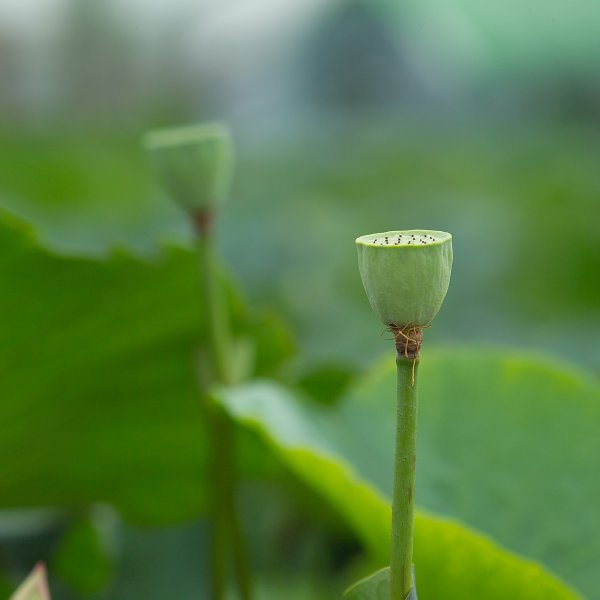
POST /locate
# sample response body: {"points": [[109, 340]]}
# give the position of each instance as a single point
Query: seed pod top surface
{"points": [[405, 274], [194, 163]]}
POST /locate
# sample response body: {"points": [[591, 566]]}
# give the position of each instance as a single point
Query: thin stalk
{"points": [[226, 528], [227, 532], [219, 525], [403, 506], [219, 334]]}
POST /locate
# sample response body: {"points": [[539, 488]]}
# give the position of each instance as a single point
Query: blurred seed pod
{"points": [[194, 163]]}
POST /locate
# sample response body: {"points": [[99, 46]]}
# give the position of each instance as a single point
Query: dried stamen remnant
{"points": [[408, 340]]}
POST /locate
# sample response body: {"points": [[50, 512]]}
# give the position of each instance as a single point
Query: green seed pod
{"points": [[194, 163], [405, 274]]}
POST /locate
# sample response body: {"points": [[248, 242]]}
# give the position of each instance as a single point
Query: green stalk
{"points": [[227, 532], [219, 527], [219, 334], [226, 527], [403, 506]]}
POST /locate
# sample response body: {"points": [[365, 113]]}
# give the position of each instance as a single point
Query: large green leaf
{"points": [[508, 444], [98, 390], [337, 452], [92, 357]]}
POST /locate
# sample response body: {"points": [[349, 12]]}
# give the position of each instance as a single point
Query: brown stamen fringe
{"points": [[202, 220], [408, 340]]}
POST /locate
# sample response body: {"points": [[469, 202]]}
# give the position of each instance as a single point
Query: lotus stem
{"points": [[403, 503]]}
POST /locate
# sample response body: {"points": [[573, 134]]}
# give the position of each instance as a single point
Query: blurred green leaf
{"points": [[326, 383], [374, 587], [495, 450], [99, 382], [35, 587], [272, 339], [91, 192], [6, 586], [83, 558]]}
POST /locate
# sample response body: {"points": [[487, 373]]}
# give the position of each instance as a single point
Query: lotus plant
{"points": [[194, 165], [405, 275]]}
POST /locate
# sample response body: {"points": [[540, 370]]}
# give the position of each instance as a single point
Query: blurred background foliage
{"points": [[349, 116]]}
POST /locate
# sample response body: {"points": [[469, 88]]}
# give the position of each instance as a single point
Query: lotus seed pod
{"points": [[405, 274], [194, 163]]}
